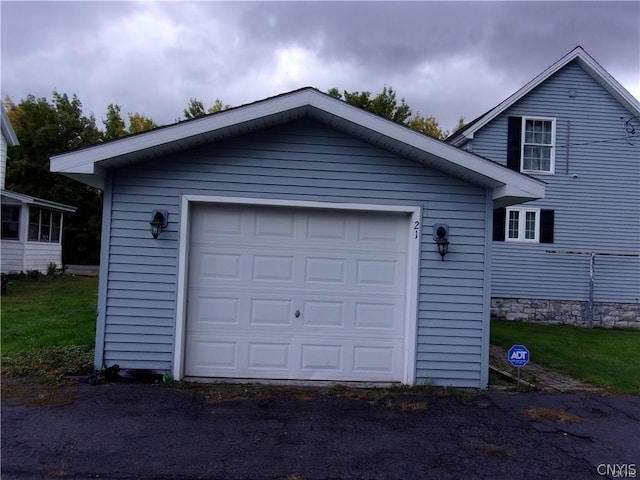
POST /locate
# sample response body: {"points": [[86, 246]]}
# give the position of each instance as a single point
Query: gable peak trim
{"points": [[586, 62]]}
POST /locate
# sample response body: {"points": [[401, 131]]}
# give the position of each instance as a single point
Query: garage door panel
{"points": [[325, 270], [371, 230], [220, 265], [374, 359], [327, 227], [227, 222], [272, 223], [379, 315], [206, 311], [376, 230], [206, 355], [223, 266], [324, 358], [349, 359], [271, 312], [324, 313], [213, 310], [277, 268], [296, 294], [371, 272], [268, 356]]}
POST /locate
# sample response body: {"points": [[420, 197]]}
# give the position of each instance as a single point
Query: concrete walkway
{"points": [[537, 376], [82, 270]]}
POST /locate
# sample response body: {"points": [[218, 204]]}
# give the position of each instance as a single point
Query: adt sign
{"points": [[518, 356]]}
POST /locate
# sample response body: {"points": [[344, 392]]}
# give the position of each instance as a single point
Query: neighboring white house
{"points": [[31, 233]]}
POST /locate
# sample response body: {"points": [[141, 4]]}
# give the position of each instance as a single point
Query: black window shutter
{"points": [[546, 226], [514, 142], [499, 218]]}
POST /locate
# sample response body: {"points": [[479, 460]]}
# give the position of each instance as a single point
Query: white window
{"points": [[522, 225], [538, 145], [44, 225]]}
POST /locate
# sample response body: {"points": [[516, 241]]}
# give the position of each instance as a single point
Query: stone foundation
{"points": [[566, 312]]}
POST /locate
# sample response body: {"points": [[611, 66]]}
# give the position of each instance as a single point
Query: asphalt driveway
{"points": [[131, 430]]}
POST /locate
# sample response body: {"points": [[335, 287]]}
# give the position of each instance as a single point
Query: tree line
{"points": [[45, 128]]}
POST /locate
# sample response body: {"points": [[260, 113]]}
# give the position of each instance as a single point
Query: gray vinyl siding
{"points": [[597, 211], [299, 161], [3, 160]]}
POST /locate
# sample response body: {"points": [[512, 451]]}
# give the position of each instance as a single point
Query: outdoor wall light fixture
{"points": [[159, 222], [441, 237]]}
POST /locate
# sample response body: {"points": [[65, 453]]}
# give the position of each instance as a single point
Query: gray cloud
{"points": [[448, 59], [377, 35]]}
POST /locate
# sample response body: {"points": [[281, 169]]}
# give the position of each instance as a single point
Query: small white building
{"points": [[31, 232]]}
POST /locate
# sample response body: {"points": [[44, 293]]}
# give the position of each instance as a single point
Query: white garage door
{"points": [[292, 293]]}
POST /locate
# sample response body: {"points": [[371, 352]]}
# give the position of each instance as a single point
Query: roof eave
{"points": [[461, 140], [609, 83], [508, 195], [40, 202], [7, 130], [140, 146], [88, 165]]}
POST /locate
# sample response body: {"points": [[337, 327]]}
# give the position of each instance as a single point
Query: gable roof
{"points": [[7, 130], [582, 58], [39, 202], [89, 164]]}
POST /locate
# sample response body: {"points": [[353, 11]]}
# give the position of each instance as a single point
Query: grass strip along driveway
{"points": [[48, 328]]}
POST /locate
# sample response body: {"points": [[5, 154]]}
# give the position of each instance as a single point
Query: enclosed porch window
{"points": [[10, 222], [44, 225]]}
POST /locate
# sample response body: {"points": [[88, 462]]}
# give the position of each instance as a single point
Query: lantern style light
{"points": [[159, 222], [441, 237]]}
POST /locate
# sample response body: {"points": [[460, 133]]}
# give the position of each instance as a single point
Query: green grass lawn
{"points": [[48, 324], [602, 357]]}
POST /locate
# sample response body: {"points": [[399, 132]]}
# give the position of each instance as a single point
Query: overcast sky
{"points": [[447, 59]]}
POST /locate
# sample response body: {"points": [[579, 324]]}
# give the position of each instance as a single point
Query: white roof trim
{"points": [[83, 160], [89, 164], [22, 198], [7, 130], [586, 61]]}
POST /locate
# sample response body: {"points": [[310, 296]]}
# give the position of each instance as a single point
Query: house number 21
{"points": [[416, 227]]}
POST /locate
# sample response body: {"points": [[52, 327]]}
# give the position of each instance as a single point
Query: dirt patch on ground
{"points": [[48, 391], [35, 392], [493, 450], [396, 397], [552, 414]]}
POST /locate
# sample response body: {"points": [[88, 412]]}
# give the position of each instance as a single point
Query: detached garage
{"points": [[295, 238]]}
